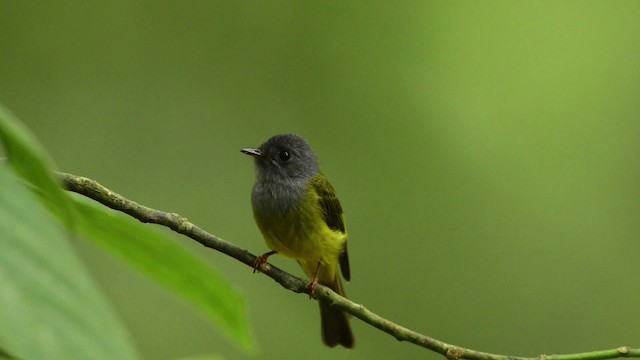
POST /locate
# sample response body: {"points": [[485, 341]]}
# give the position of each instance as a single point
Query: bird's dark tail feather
{"points": [[335, 323], [335, 327]]}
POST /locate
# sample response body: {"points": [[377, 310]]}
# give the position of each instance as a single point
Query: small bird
{"points": [[299, 216]]}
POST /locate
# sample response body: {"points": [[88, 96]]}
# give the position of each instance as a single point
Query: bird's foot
{"points": [[312, 285], [262, 259]]}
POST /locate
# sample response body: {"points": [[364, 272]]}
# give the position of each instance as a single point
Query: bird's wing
{"points": [[333, 216]]}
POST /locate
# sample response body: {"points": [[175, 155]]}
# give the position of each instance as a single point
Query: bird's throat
{"points": [[278, 196]]}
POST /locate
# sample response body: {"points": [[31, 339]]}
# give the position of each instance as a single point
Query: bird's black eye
{"points": [[284, 155]]}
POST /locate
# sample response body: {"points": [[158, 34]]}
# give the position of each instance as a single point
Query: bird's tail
{"points": [[335, 323]]}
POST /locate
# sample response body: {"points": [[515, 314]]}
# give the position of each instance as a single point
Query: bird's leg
{"points": [[313, 283], [262, 259]]}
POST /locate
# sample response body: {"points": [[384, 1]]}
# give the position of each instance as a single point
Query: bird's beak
{"points": [[253, 152]]}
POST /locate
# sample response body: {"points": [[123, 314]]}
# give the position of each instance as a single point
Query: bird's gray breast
{"points": [[277, 196]]}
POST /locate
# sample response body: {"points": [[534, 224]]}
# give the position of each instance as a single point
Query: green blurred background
{"points": [[486, 155]]}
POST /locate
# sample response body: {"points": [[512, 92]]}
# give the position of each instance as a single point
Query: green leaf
{"points": [[49, 308], [170, 264], [6, 355], [147, 250], [32, 163]]}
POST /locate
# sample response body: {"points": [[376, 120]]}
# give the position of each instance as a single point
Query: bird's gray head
{"points": [[284, 166], [284, 159]]}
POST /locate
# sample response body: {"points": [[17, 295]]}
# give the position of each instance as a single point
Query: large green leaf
{"points": [[49, 308], [162, 259], [32, 163], [6, 355], [154, 254]]}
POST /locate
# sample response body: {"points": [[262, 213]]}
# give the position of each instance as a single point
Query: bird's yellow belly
{"points": [[301, 239], [302, 235]]}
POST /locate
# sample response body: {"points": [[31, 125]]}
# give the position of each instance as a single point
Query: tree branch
{"points": [[92, 189]]}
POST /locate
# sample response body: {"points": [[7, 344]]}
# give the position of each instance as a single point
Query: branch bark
{"points": [[93, 190]]}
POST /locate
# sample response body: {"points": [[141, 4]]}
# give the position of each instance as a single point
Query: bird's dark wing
{"points": [[333, 216]]}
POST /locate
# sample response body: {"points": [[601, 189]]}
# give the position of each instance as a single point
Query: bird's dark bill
{"points": [[252, 152]]}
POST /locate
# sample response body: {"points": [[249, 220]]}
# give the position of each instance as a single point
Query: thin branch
{"points": [[92, 189]]}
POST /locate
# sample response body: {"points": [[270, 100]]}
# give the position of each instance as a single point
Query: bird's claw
{"points": [[312, 285], [261, 260]]}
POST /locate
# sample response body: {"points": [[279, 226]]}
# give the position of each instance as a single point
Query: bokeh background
{"points": [[486, 155]]}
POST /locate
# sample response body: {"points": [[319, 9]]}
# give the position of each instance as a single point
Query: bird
{"points": [[300, 217]]}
